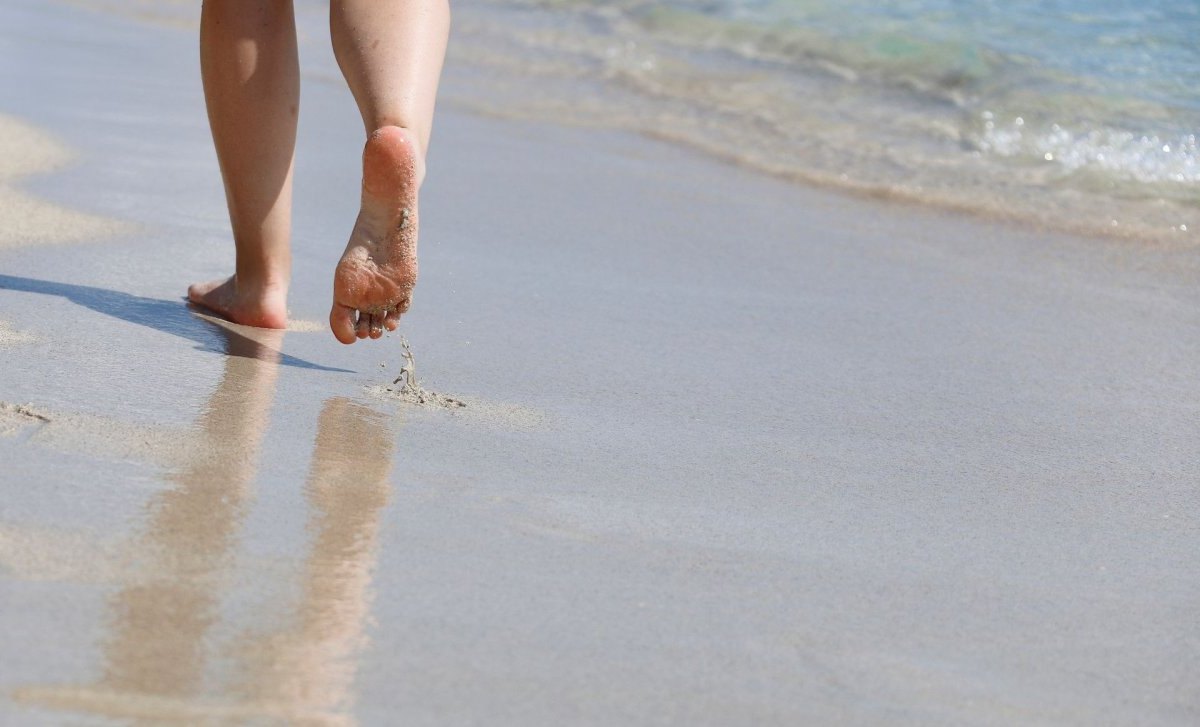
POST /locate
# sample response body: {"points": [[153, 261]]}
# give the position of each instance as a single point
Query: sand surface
{"points": [[28, 219], [733, 451], [9, 336]]}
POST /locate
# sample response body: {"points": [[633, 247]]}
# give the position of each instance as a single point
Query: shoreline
{"points": [[1016, 220], [805, 121]]}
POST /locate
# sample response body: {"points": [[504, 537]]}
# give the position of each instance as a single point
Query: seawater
{"points": [[1098, 83], [1073, 114]]}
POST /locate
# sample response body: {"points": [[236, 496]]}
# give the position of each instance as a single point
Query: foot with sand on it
{"points": [[373, 283]]}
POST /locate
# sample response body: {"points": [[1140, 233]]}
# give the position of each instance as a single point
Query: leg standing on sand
{"points": [[252, 90], [391, 53]]}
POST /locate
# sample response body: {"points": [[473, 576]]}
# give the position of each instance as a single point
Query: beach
{"points": [[733, 449]]}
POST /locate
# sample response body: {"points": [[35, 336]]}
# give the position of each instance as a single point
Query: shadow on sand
{"points": [[167, 316]]}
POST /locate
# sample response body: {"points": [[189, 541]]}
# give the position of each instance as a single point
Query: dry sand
{"points": [[297, 325], [9, 336], [770, 455], [28, 220], [103, 437]]}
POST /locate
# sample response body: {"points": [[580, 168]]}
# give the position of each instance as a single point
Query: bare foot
{"points": [[263, 305], [373, 283]]}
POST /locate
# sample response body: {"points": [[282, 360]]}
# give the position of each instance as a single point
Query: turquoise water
{"points": [[1122, 74], [1145, 49], [1073, 114]]}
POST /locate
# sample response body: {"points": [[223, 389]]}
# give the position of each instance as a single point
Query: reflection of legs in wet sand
{"points": [[159, 657], [391, 53], [307, 668], [154, 658], [160, 623]]}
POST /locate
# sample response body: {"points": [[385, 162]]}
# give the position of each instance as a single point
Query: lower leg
{"points": [[391, 53], [251, 76]]}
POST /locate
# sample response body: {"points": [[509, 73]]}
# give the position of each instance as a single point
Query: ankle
{"points": [[261, 277], [259, 286]]}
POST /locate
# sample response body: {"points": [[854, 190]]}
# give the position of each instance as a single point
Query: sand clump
{"points": [[407, 387], [26, 150]]}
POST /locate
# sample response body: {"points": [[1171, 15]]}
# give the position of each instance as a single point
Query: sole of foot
{"points": [[263, 306], [374, 280]]}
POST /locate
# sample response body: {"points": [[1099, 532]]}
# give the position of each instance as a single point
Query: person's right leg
{"points": [[252, 89], [391, 53]]}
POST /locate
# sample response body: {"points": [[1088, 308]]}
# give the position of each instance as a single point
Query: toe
{"points": [[199, 292], [376, 325], [341, 322], [363, 329], [391, 320]]}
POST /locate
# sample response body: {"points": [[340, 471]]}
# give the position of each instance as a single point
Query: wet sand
{"points": [[734, 451]]}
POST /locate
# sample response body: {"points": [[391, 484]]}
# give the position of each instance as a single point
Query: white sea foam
{"points": [[1125, 154]]}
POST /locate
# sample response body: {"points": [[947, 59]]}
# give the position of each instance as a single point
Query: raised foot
{"points": [[264, 306], [373, 283]]}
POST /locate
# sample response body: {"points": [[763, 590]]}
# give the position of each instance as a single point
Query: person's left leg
{"points": [[251, 78]]}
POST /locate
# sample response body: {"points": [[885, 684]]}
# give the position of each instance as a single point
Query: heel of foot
{"points": [[259, 306], [390, 161]]}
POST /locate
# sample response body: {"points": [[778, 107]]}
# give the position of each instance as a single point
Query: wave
{"points": [[915, 117]]}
